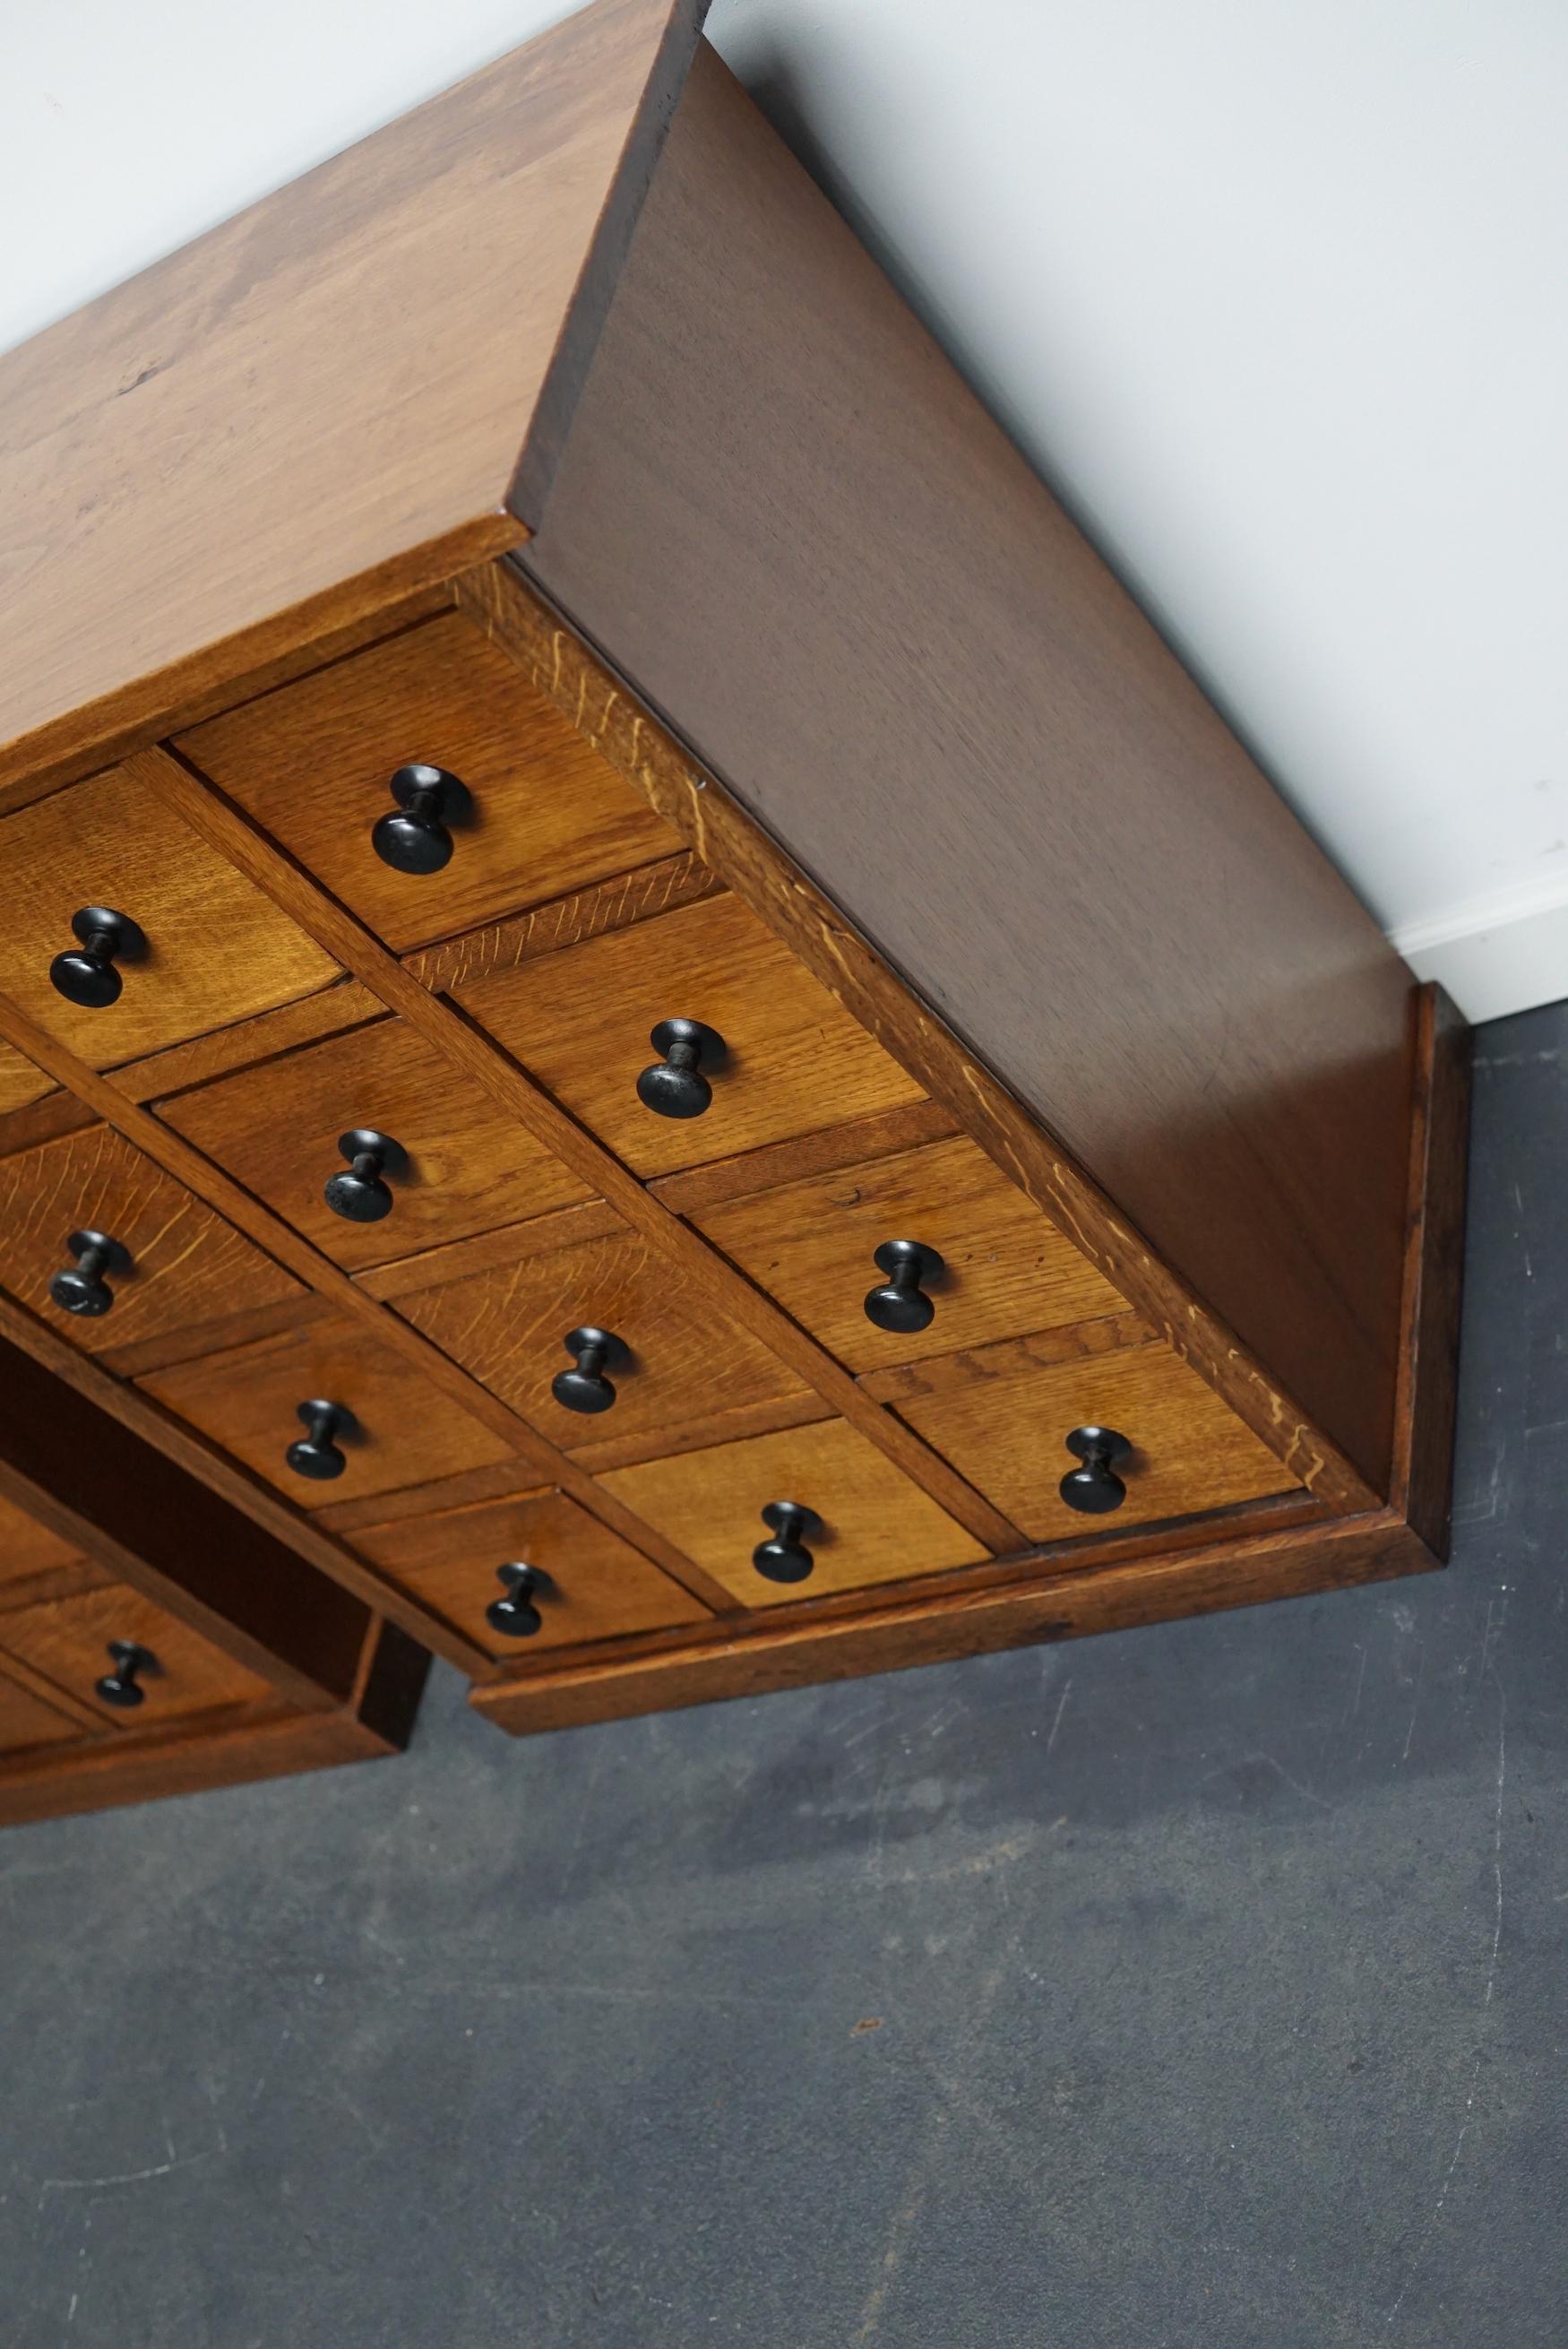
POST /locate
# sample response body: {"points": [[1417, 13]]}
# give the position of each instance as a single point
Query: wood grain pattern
{"points": [[1434, 1271], [101, 1771], [579, 1023], [29, 1552], [218, 949], [43, 1120], [879, 1526], [939, 700], [541, 1236], [730, 839], [226, 829], [879, 1136], [26, 1721], [752, 1661], [1007, 1434], [1007, 1271], [496, 217], [188, 1268], [469, 1167], [335, 1010], [407, 1429], [611, 904], [311, 764], [66, 1641], [688, 1366], [1007, 1358], [597, 1586], [20, 1081]]}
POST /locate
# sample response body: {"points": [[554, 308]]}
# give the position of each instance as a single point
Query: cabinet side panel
{"points": [[799, 536]]}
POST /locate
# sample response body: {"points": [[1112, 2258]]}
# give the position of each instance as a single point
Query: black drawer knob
{"points": [[676, 1086], [361, 1196], [416, 840], [314, 1454], [586, 1388], [1095, 1487], [123, 1686], [82, 1288], [515, 1616], [903, 1305], [90, 976], [785, 1558]]}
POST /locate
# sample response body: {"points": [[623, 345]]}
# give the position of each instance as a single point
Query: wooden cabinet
{"points": [[708, 1017], [132, 1662]]}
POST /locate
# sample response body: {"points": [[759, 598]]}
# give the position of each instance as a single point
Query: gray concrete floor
{"points": [[1203, 1985]]}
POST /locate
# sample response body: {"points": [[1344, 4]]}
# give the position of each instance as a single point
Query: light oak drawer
{"points": [[541, 814], [684, 1366], [70, 1641], [1006, 1269], [27, 1723], [20, 1081], [461, 1166], [581, 1023], [183, 1266], [591, 1585], [217, 949], [404, 1431], [876, 1526], [1002, 1417]]}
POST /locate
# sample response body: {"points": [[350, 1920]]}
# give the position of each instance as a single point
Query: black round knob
{"points": [[586, 1388], [785, 1558], [90, 977], [314, 1454], [516, 1616], [674, 1086], [121, 1686], [416, 840], [81, 1289], [361, 1196], [1095, 1487], [903, 1305]]}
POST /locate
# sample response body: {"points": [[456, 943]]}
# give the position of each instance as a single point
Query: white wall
{"points": [[1274, 294]]}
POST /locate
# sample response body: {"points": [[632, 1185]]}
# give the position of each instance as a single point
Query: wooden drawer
{"points": [[313, 761], [580, 1020], [68, 1641], [466, 1167], [877, 1526], [593, 1585], [508, 1321], [20, 1081], [27, 1723], [189, 1268], [405, 1431], [29, 1552], [217, 948], [812, 1246], [1002, 1416]]}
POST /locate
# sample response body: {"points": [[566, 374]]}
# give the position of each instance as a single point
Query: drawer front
{"points": [[68, 1642], [684, 1365], [401, 1430], [27, 1723], [876, 1526], [182, 1266], [1002, 1422], [20, 1081], [1006, 1269], [28, 1551], [580, 1022], [217, 949], [460, 1166], [591, 1584], [540, 813]]}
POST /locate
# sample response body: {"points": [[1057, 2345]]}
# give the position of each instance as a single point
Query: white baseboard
{"points": [[1503, 952]]}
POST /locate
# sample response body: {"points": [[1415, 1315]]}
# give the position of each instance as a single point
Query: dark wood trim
{"points": [[110, 1773], [558, 665], [1434, 1271], [1064, 1606]]}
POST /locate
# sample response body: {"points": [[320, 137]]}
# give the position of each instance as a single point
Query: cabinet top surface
{"points": [[351, 389]]}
